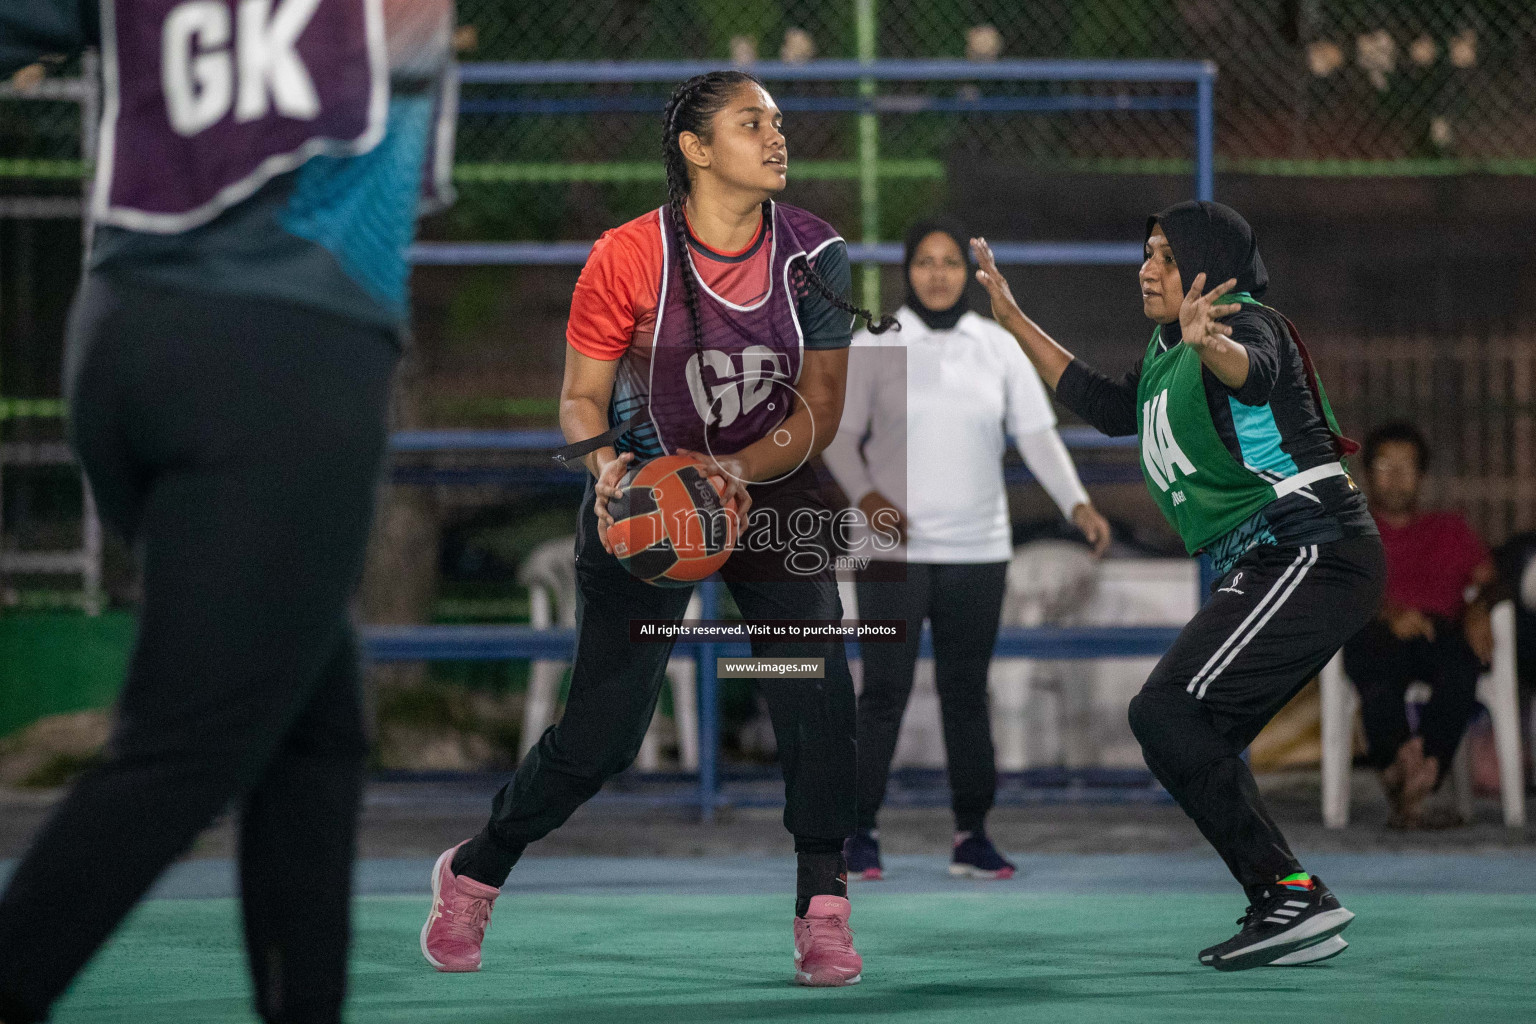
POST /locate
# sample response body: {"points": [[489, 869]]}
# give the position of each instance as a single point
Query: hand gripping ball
{"points": [[670, 527]]}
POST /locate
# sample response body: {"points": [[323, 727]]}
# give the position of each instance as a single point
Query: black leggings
{"points": [[615, 683], [1271, 624], [241, 442], [962, 602]]}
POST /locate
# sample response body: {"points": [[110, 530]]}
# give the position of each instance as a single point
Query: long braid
{"points": [[692, 105], [808, 274]]}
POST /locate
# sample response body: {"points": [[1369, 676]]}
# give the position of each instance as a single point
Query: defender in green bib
{"points": [[1243, 456], [1202, 487]]}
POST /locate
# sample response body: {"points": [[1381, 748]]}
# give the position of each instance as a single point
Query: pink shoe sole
{"points": [[437, 880], [826, 977], [976, 874], [870, 875]]}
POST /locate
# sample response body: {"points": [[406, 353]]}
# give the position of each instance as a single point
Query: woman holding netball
{"points": [[1241, 453], [712, 327]]}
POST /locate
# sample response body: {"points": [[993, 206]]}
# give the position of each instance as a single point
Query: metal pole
{"points": [[1205, 132], [90, 126], [709, 709], [869, 153]]}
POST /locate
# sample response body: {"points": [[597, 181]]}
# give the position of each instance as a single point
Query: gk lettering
{"points": [[211, 64], [1160, 451]]}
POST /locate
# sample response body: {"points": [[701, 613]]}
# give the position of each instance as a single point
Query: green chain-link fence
{"points": [[1317, 86], [1310, 86]]}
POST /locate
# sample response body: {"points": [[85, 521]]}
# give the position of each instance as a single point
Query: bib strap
{"points": [[592, 444], [1308, 477]]}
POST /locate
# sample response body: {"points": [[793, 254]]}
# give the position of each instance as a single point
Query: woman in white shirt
{"points": [[919, 451]]}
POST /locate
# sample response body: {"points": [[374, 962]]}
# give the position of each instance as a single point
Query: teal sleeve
{"points": [[31, 29], [825, 325]]}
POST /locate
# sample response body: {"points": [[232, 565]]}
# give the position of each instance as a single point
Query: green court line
{"points": [[929, 959]]}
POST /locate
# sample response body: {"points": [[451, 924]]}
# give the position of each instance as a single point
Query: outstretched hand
{"points": [[1199, 316], [1004, 309]]}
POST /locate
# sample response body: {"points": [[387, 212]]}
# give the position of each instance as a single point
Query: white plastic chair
{"points": [[1496, 690], [550, 576]]}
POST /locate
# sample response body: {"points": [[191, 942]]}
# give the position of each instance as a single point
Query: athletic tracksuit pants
{"points": [[962, 603], [240, 442], [1271, 624], [616, 681]]}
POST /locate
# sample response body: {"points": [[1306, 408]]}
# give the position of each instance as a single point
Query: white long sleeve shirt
{"points": [[926, 416]]}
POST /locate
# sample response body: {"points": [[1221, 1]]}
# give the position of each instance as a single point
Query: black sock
{"points": [[819, 874], [974, 822], [485, 860]]}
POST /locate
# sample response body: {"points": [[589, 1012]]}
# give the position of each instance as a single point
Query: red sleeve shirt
{"points": [[1430, 562], [615, 297], [614, 304]]}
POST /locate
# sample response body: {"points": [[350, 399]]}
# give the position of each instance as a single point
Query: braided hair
{"points": [[691, 108]]}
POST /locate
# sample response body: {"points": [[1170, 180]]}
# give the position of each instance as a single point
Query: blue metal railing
{"points": [[1200, 74], [501, 643], [539, 441], [667, 71]]}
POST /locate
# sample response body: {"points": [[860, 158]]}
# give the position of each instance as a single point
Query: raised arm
{"points": [[1049, 358], [1108, 406]]}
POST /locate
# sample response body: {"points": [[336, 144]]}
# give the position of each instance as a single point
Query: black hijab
{"points": [[1214, 239], [937, 319]]}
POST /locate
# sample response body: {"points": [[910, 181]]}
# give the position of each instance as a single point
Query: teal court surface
{"points": [[1076, 938]]}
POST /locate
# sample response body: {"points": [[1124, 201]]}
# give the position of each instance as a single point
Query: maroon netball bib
{"points": [[738, 375], [206, 100]]}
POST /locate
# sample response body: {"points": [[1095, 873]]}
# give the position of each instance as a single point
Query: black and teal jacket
{"points": [[1272, 424]]}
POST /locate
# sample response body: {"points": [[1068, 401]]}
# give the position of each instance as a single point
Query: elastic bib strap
{"points": [[581, 449], [1308, 477]]}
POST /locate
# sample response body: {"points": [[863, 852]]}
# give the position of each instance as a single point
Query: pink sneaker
{"points": [[824, 954], [461, 911]]}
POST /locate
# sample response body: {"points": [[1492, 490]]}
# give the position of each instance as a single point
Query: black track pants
{"points": [[962, 602], [1271, 624], [615, 683]]}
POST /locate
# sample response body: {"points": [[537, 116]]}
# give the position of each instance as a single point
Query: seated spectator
{"points": [[1433, 627]]}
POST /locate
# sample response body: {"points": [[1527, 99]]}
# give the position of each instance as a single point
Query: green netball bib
{"points": [[1200, 488]]}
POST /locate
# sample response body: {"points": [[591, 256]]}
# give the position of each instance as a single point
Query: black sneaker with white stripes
{"points": [[1280, 926], [1325, 950]]}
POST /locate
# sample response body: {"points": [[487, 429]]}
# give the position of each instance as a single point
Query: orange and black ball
{"points": [[670, 526]]}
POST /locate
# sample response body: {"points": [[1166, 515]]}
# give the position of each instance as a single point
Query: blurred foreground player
{"points": [[1240, 453], [228, 371]]}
